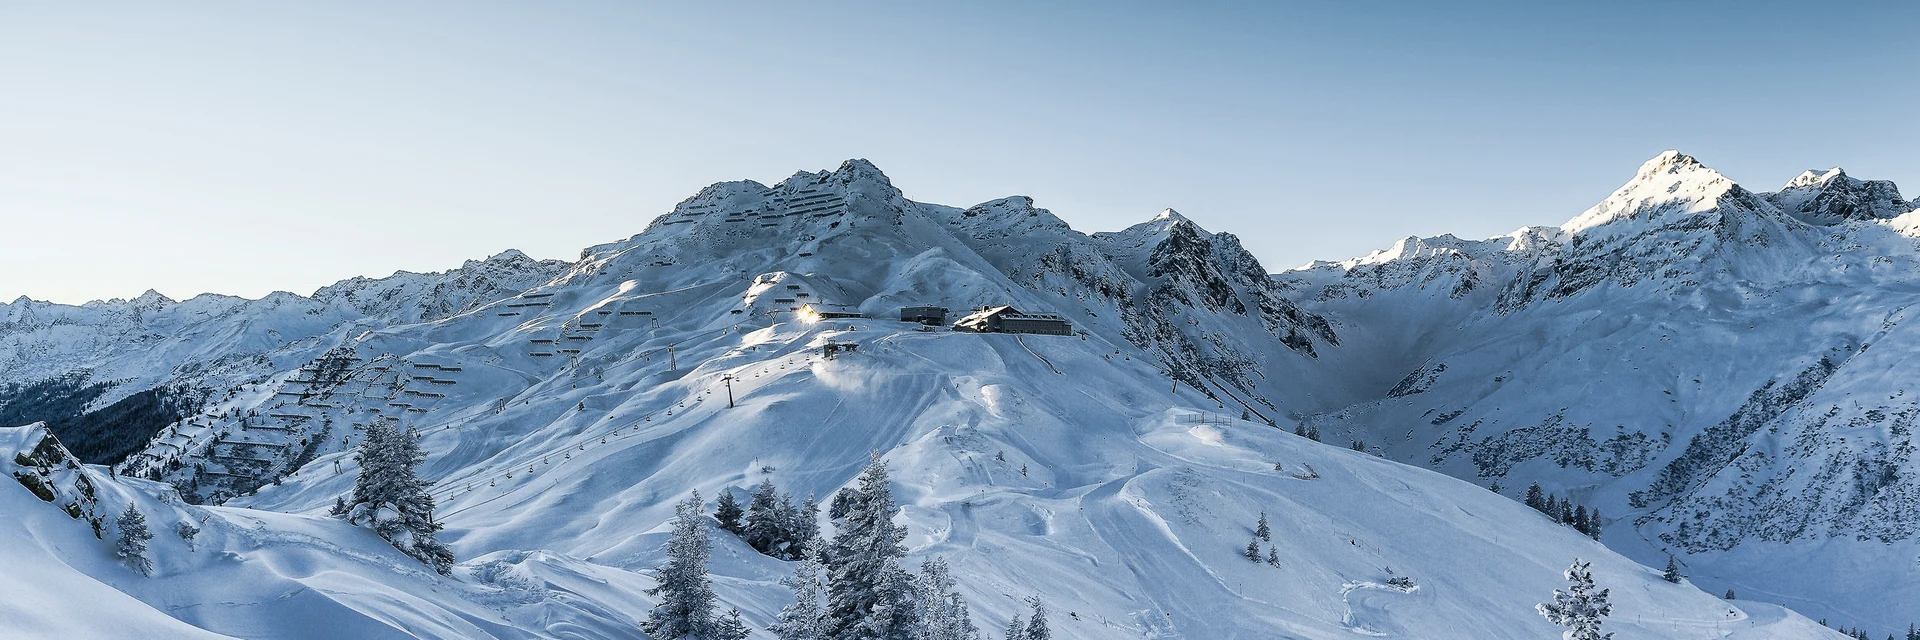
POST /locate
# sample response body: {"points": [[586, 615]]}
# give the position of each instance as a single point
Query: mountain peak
{"points": [[1169, 215], [1670, 183], [1813, 177]]}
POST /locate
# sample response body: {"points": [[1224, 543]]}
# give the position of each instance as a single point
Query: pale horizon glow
{"points": [[245, 148]]}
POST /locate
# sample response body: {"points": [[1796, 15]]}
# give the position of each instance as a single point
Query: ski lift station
{"points": [[1006, 319], [924, 315]]}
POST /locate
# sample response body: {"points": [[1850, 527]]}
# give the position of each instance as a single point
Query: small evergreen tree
{"points": [[1593, 523], [731, 627], [1535, 498], [801, 620], [1672, 572], [727, 511], [763, 529], [1729, 596], [1313, 433], [1261, 529], [1016, 630], [1580, 519], [187, 532], [1300, 430], [869, 597], [806, 530], [842, 501], [685, 609], [1273, 556], [1579, 608], [943, 611], [132, 547], [1037, 625], [389, 495], [1253, 550]]}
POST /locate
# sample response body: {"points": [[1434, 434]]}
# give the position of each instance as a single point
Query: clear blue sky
{"points": [[249, 147]]}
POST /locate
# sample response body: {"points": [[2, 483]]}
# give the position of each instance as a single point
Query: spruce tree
{"points": [[1579, 608], [731, 627], [1260, 528], [389, 495], [1015, 630], [1593, 523], [763, 528], [1535, 498], [1672, 572], [869, 597], [1253, 550], [1580, 519], [1037, 625], [806, 528], [685, 609], [1273, 556], [801, 620], [132, 547], [943, 611], [727, 511]]}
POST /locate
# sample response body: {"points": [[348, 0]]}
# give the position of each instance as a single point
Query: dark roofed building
{"points": [[1006, 319]]}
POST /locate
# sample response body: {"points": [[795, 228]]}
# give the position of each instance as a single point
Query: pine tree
{"points": [[1566, 511], [1579, 608], [1273, 556], [1672, 572], [727, 511], [685, 610], [943, 611], [869, 597], [134, 535], [1260, 528], [1729, 595], [762, 528], [1580, 519], [801, 620], [1593, 523], [806, 529], [1313, 433], [731, 627], [187, 532], [1535, 498], [1253, 550], [1357, 445], [1016, 630], [1300, 430], [842, 501], [389, 495], [1037, 625]]}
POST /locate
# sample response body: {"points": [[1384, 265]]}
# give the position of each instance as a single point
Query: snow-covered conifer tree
{"points": [[1579, 608], [187, 532], [134, 535], [1037, 625], [727, 511], [389, 496], [943, 611], [1015, 629], [1536, 498], [1260, 528], [685, 610], [801, 620], [731, 627], [869, 597], [1253, 550], [1672, 572]]}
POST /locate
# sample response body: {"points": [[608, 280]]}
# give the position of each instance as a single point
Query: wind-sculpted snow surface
{"points": [[1722, 373], [1115, 472]]}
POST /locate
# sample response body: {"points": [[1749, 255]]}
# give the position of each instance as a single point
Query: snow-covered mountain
{"points": [[1116, 471], [1721, 372], [137, 364]]}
